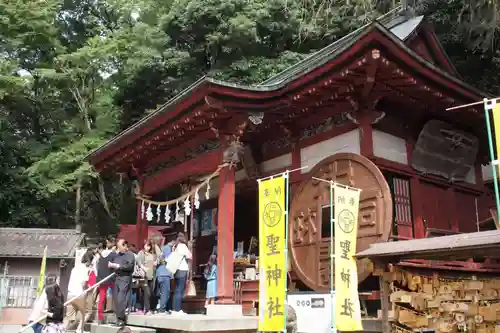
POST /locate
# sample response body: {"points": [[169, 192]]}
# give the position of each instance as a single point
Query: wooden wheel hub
{"points": [[310, 214]]}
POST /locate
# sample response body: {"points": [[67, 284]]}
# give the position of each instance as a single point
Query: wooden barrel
{"points": [[310, 216]]}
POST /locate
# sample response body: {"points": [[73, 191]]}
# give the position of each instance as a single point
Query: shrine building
{"points": [[368, 111]]}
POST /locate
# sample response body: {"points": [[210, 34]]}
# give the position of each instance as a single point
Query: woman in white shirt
{"points": [[181, 275], [77, 282]]}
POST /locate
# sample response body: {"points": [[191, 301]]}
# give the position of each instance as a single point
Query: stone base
{"points": [[224, 310], [194, 323], [94, 328]]}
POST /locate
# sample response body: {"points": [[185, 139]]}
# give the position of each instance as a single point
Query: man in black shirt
{"points": [[123, 265]]}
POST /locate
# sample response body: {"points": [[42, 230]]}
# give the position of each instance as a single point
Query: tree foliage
{"points": [[75, 73]]}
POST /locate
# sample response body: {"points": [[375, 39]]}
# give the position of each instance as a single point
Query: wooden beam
{"points": [[206, 163], [176, 150], [385, 292]]}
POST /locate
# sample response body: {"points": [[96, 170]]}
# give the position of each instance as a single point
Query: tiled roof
{"points": [[28, 242], [460, 245], [398, 25], [395, 26]]}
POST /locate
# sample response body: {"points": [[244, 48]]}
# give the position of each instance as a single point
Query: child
{"points": [[211, 276], [50, 302]]}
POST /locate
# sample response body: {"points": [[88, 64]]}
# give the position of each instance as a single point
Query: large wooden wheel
{"points": [[310, 249]]}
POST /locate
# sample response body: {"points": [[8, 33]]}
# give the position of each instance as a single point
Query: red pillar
{"points": [[141, 227], [138, 223], [296, 176], [366, 134], [225, 235]]}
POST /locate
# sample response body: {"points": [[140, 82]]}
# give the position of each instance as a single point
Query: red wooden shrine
{"points": [[379, 93]]}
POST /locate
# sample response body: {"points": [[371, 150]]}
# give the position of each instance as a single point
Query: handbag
{"points": [[191, 289], [138, 272], [173, 261]]}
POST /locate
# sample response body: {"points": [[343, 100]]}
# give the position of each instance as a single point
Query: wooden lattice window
{"points": [[402, 227]]}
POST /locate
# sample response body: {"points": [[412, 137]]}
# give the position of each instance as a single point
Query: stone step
{"points": [[95, 328]]}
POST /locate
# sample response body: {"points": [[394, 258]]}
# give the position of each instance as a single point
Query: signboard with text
{"points": [[347, 309], [273, 272], [309, 305]]}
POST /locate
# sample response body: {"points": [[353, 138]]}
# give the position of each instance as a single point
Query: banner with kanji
{"points": [[41, 279], [272, 269], [347, 310]]}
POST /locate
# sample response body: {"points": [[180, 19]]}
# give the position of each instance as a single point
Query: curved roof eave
{"points": [[429, 65], [309, 64], [166, 107]]}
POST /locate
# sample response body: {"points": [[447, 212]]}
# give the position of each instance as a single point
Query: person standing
{"points": [[51, 303], [105, 256], [182, 252], [77, 283], [111, 243], [123, 266], [163, 278], [210, 274], [137, 277], [40, 305], [147, 261]]}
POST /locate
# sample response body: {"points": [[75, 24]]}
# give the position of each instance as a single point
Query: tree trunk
{"points": [[78, 205], [102, 196], [82, 105]]}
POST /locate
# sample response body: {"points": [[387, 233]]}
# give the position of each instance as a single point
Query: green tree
{"points": [[75, 73]]}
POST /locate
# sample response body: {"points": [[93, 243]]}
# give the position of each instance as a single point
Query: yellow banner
{"points": [[496, 125], [41, 279], [347, 309], [272, 270]]}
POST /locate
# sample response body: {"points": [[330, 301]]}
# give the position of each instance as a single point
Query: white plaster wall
{"points": [[276, 163], [345, 143], [389, 147], [487, 172]]}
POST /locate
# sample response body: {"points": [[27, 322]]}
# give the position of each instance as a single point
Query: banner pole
{"points": [[332, 256], [282, 173], [492, 156], [286, 175]]}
